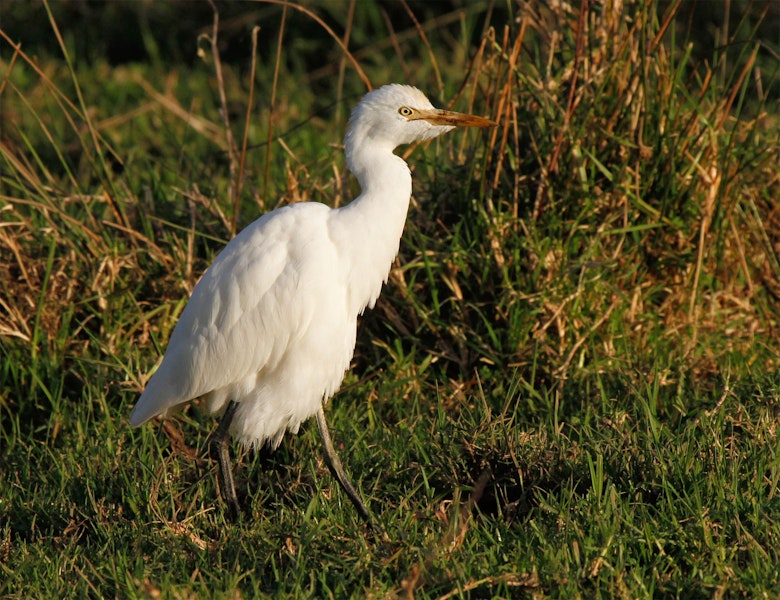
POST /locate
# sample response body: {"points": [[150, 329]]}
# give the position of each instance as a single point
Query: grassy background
{"points": [[569, 387]]}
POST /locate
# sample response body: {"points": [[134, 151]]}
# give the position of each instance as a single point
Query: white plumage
{"points": [[272, 323]]}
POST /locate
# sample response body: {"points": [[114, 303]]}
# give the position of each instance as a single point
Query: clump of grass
{"points": [[625, 212]]}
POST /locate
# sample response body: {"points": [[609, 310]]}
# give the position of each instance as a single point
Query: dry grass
{"points": [[641, 187]]}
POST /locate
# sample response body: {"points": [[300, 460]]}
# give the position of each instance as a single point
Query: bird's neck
{"points": [[370, 226]]}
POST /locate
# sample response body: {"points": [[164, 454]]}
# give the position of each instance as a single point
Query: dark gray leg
{"points": [[220, 442], [335, 466]]}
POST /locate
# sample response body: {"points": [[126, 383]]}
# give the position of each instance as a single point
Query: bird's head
{"points": [[398, 114]]}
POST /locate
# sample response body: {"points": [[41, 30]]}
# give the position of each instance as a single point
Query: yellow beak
{"points": [[454, 119]]}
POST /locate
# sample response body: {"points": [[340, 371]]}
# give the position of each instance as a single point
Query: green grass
{"points": [[569, 387]]}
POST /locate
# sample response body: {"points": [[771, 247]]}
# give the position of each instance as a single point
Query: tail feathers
{"points": [[154, 401], [142, 412]]}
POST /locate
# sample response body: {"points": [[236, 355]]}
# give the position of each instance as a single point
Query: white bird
{"points": [[270, 328]]}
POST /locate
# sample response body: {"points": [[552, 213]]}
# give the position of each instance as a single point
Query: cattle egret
{"points": [[270, 328]]}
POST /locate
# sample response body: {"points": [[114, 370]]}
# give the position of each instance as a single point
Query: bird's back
{"points": [[268, 326]]}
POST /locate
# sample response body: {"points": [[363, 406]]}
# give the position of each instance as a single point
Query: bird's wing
{"points": [[242, 313]]}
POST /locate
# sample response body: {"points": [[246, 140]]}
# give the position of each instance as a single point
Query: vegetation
{"points": [[570, 385]]}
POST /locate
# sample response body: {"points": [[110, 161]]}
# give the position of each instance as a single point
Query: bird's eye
{"points": [[405, 111]]}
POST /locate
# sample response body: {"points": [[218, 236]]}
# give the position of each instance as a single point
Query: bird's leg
{"points": [[220, 442], [335, 466]]}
